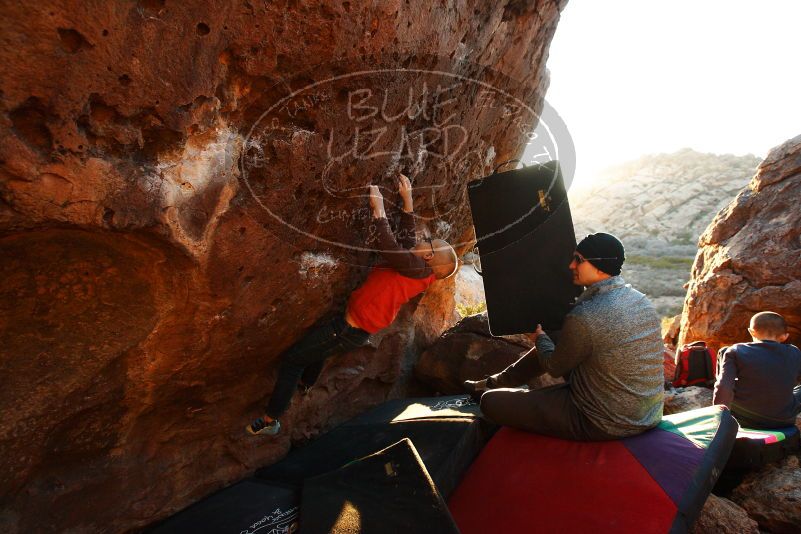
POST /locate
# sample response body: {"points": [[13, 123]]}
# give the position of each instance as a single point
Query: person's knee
{"points": [[489, 404]]}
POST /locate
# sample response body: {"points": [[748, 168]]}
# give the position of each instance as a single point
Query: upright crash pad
{"points": [[388, 491], [248, 506], [655, 482], [525, 238], [447, 443]]}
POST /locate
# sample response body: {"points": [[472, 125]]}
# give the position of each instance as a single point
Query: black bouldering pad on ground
{"points": [[248, 506], [525, 237], [447, 446], [388, 491], [452, 406]]}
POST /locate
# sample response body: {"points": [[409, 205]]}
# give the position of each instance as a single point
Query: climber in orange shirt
{"points": [[407, 270]]}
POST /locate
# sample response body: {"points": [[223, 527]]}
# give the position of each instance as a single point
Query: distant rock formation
{"points": [[659, 205], [749, 257], [180, 200]]}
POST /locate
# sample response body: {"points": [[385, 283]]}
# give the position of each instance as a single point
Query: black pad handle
{"points": [[475, 251], [507, 162]]}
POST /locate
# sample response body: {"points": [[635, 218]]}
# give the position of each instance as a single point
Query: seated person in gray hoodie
{"points": [[609, 352], [757, 380]]}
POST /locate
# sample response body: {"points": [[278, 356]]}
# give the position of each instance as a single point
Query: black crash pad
{"points": [[388, 491], [525, 238], [250, 506], [452, 406], [755, 448], [447, 445]]}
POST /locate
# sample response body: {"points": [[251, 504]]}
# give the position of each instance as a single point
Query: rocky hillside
{"points": [[180, 200], [659, 205]]}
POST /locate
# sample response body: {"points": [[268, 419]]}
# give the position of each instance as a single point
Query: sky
{"points": [[635, 77]]}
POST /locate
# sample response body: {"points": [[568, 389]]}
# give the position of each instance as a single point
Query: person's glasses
{"points": [[428, 240], [579, 260]]}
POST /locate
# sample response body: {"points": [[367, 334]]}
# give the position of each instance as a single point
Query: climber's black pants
{"points": [[549, 411], [304, 360]]}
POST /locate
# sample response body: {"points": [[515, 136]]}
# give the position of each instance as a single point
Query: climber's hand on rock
{"points": [[376, 202], [405, 190]]}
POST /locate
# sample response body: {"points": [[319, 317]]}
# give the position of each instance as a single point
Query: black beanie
{"points": [[606, 246]]}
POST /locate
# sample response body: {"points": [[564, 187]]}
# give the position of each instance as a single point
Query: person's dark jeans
{"points": [[549, 411], [304, 360]]}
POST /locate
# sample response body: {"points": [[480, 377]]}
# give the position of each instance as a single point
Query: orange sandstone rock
{"points": [[750, 257], [146, 290]]}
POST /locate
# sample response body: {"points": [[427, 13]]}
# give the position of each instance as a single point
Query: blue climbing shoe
{"points": [[260, 427]]}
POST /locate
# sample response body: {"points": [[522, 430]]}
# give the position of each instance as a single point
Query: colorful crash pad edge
{"points": [[767, 436], [718, 448], [699, 426], [754, 447]]}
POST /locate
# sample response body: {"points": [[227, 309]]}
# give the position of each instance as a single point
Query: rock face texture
{"points": [[749, 257], [469, 352], [180, 200], [772, 495], [687, 398], [722, 516], [469, 289]]}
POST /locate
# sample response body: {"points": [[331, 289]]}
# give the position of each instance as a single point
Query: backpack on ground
{"points": [[695, 365]]}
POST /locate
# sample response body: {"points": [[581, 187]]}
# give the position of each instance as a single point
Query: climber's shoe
{"points": [[261, 427]]}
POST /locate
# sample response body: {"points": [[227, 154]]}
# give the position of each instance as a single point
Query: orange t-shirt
{"points": [[375, 304]]}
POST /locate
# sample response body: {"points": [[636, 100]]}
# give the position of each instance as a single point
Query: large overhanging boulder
{"points": [[179, 202]]}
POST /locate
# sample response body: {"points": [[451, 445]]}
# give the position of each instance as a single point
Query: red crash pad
{"points": [[518, 476]]}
